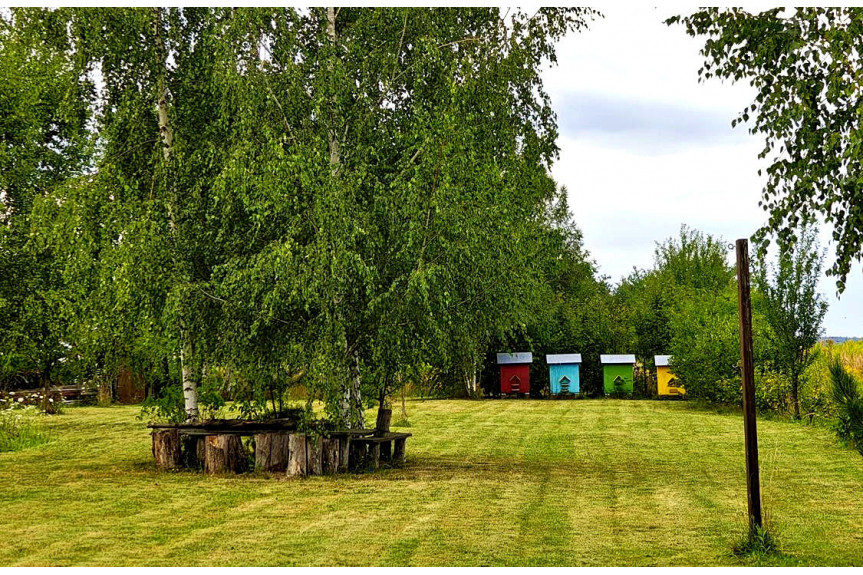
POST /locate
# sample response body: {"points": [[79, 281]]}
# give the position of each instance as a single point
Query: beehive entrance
{"points": [[515, 384], [564, 384]]}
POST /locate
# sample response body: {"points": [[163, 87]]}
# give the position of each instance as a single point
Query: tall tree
{"points": [[793, 307], [804, 64]]}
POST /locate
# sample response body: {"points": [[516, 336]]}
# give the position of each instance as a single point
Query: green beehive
{"points": [[617, 373]]}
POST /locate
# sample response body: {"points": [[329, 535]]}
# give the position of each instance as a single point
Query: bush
{"points": [[20, 426], [34, 398], [169, 407], [849, 404], [772, 392]]}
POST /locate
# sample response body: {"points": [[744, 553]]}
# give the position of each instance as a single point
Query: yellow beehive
{"points": [[666, 383]]}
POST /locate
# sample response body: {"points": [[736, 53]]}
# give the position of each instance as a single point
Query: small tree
{"points": [[793, 307]]}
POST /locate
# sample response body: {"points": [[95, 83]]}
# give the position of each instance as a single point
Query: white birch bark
{"points": [[190, 385]]}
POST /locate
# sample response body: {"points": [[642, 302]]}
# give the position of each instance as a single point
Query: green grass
{"points": [[506, 482]]}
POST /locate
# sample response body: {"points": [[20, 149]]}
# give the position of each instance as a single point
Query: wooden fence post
{"points": [[747, 372]]}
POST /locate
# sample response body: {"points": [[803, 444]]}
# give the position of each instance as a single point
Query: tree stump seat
{"points": [[216, 446], [370, 451]]}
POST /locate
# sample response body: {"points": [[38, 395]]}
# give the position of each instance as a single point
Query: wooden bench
{"points": [[216, 446], [371, 450]]}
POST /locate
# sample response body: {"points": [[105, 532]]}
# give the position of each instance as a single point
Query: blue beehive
{"points": [[563, 373]]}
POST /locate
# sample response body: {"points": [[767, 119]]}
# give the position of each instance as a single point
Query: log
{"points": [[225, 454], [271, 451], [399, 450], [313, 454], [344, 453], [297, 464], [383, 423], [166, 448], [329, 455], [374, 455]]}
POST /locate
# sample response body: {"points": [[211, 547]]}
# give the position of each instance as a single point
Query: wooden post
{"points": [[344, 453], [313, 454], [386, 452], [329, 455], [166, 448], [297, 464], [271, 451], [747, 372], [398, 457]]}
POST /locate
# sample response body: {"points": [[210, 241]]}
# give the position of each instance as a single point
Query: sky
{"points": [[645, 147]]}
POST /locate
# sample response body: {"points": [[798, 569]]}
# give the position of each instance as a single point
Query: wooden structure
{"points": [[747, 375], [617, 373], [277, 445], [514, 372], [563, 373], [667, 385]]}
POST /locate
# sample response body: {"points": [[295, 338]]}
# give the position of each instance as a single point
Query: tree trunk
{"points": [[356, 394], [225, 453], [166, 135], [271, 451], [795, 400], [297, 463], [383, 422], [166, 448], [190, 385], [329, 455], [332, 134]]}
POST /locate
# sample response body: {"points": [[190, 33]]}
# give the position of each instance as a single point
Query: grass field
{"points": [[594, 482]]}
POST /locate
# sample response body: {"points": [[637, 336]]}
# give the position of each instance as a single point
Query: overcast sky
{"points": [[646, 148]]}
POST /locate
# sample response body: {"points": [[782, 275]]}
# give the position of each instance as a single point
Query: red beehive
{"points": [[514, 372]]}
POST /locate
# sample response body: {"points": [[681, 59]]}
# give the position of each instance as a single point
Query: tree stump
{"points": [[344, 453], [225, 453], [399, 450], [357, 459], [166, 448], [297, 464], [329, 455], [383, 422], [314, 444], [374, 457], [271, 451]]}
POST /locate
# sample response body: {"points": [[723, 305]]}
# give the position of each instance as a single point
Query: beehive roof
{"points": [[662, 360], [563, 358], [518, 357], [611, 359]]}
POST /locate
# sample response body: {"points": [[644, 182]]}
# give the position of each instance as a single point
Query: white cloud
{"points": [[645, 147]]}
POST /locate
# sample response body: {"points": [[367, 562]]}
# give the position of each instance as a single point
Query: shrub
{"points": [[772, 392], [34, 398], [168, 407], [20, 426], [849, 404]]}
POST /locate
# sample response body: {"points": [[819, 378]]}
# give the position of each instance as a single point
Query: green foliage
{"points": [[20, 426], [793, 308], [849, 402], [804, 68], [759, 543], [168, 406]]}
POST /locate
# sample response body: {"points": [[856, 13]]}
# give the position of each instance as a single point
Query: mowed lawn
{"points": [[495, 482]]}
